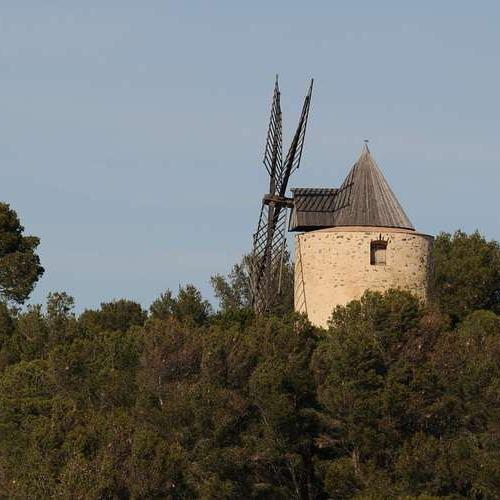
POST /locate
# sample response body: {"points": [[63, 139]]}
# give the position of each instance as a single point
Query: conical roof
{"points": [[365, 198]]}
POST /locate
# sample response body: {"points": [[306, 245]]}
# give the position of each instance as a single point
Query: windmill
{"points": [[269, 241]]}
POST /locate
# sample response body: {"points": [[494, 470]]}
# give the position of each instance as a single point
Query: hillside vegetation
{"points": [[394, 400]]}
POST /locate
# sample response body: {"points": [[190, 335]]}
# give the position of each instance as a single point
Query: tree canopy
{"points": [[466, 273], [234, 290], [395, 399], [20, 266]]}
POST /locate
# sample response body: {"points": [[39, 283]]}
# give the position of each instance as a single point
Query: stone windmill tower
{"points": [[352, 239]]}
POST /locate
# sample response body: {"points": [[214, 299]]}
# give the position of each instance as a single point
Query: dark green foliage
{"points": [[117, 315], [394, 400], [413, 406], [20, 266], [189, 306], [234, 292], [467, 273], [7, 327]]}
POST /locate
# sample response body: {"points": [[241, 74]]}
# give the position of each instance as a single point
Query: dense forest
{"points": [[395, 399]]}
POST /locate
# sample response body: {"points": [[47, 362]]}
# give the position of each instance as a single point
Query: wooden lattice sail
{"points": [[269, 242]]}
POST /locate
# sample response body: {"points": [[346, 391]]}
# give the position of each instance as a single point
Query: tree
{"points": [[61, 320], [466, 273], [395, 400], [20, 266], [7, 326], [411, 408], [189, 305], [234, 290], [119, 315]]}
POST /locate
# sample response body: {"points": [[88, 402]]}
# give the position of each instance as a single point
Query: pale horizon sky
{"points": [[132, 133]]}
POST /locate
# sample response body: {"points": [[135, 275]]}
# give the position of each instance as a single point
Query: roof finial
{"points": [[365, 147]]}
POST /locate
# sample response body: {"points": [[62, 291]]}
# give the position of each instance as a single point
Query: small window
{"points": [[378, 250]]}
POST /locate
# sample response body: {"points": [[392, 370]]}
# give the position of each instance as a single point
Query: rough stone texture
{"points": [[332, 266]]}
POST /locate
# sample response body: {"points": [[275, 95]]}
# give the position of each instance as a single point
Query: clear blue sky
{"points": [[131, 133]]}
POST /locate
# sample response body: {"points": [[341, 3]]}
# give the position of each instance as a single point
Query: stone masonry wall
{"points": [[332, 267]]}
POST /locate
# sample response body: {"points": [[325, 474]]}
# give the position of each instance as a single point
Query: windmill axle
{"points": [[271, 199]]}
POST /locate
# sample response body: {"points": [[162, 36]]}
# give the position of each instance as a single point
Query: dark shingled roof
{"points": [[312, 208], [364, 199]]}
